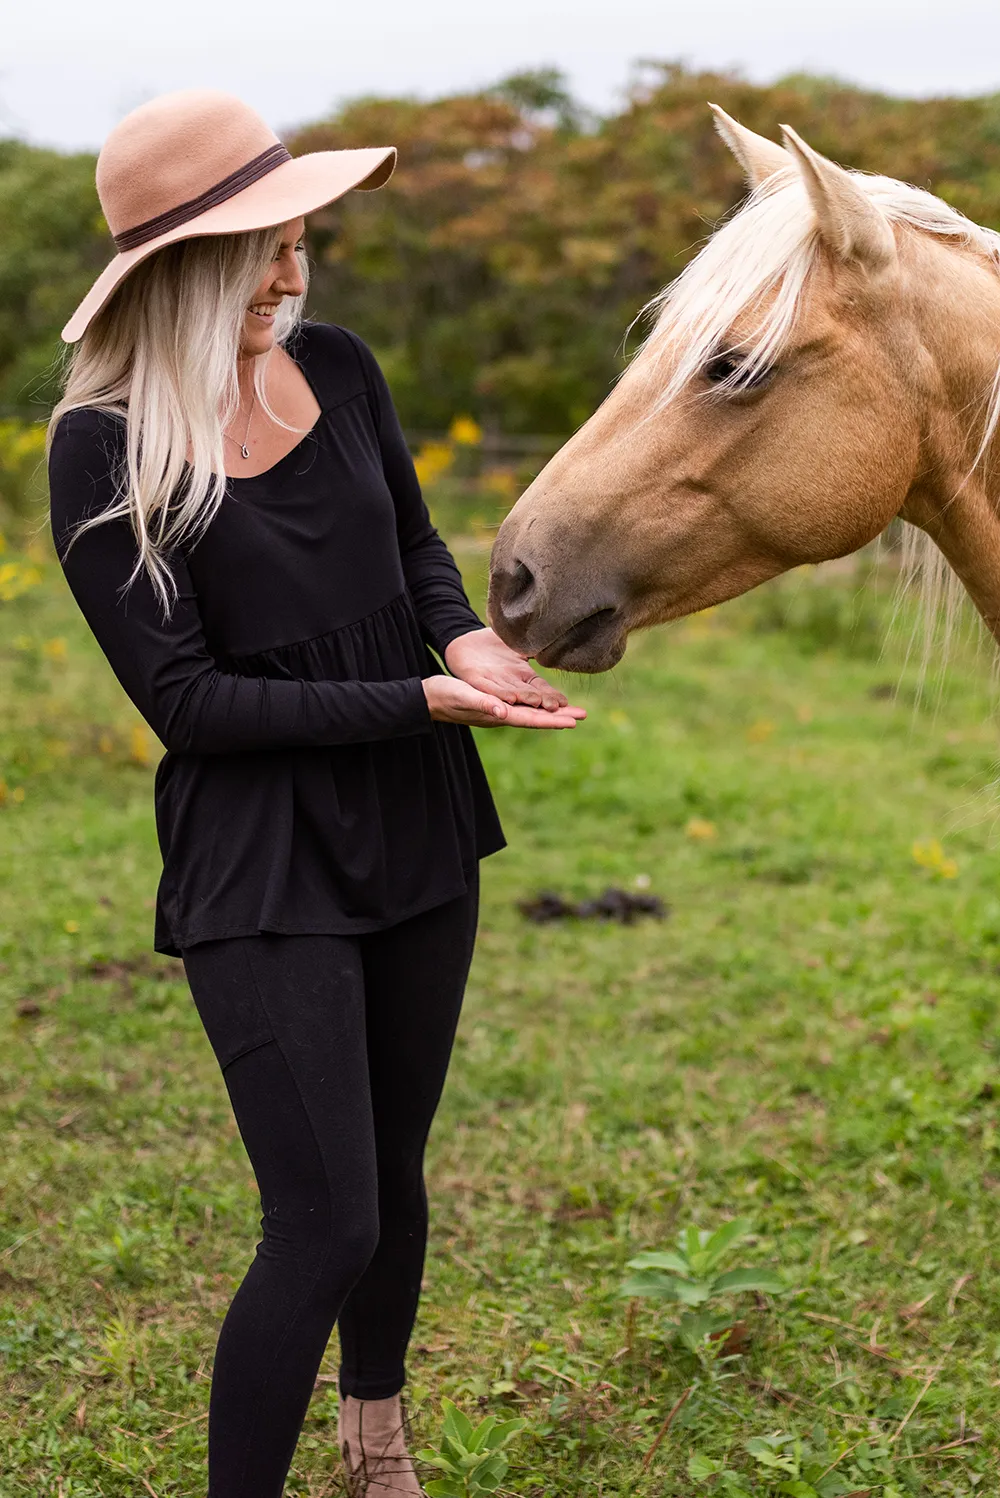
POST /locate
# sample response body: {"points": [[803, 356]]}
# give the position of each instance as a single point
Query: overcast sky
{"points": [[68, 70]]}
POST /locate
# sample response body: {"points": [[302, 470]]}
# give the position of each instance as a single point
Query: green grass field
{"points": [[808, 1041]]}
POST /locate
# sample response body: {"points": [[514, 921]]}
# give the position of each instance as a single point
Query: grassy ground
{"points": [[809, 1041]]}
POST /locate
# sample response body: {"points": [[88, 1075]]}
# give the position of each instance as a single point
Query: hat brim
{"points": [[295, 188]]}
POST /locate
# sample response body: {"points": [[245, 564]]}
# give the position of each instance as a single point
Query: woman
{"points": [[239, 520]]}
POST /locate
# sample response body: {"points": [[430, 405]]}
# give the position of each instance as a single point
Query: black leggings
{"points": [[334, 1051]]}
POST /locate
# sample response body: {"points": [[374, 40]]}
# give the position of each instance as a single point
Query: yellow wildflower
{"points": [[55, 648], [17, 794], [71, 926], [700, 830], [22, 451], [15, 579], [140, 744], [433, 460], [930, 855], [465, 431], [20, 441]]}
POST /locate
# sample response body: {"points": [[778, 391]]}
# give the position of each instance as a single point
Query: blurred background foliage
{"points": [[498, 272]]}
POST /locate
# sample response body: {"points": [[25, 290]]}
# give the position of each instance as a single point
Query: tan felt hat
{"points": [[202, 162]]}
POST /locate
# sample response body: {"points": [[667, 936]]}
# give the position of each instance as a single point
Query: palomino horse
{"points": [[827, 362]]}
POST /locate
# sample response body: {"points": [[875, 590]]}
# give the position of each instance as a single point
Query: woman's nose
{"points": [[290, 282]]}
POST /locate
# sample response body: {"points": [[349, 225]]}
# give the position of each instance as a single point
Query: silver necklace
{"points": [[243, 445]]}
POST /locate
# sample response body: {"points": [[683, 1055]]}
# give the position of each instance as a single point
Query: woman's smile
{"points": [[283, 279]]}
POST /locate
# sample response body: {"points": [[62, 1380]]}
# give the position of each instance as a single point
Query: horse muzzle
{"points": [[572, 629]]}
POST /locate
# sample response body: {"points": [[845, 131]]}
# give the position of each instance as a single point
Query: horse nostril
{"points": [[520, 582], [513, 591]]}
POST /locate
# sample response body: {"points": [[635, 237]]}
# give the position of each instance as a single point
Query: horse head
{"points": [[828, 361]]}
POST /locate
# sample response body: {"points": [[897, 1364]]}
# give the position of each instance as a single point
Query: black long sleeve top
{"points": [[305, 787]]}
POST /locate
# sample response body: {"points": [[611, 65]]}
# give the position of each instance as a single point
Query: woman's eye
{"points": [[732, 368]]}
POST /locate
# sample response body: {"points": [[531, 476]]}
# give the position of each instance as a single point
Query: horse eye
{"points": [[730, 368], [722, 367]]}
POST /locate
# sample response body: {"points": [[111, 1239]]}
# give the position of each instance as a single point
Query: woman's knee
{"points": [[355, 1248], [334, 1258], [325, 1254]]}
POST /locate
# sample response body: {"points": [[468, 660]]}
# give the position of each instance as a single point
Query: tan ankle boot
{"points": [[372, 1441]]}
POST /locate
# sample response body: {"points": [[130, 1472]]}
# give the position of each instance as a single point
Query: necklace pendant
{"points": [[245, 450]]}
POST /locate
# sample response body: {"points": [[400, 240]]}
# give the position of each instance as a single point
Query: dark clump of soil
{"points": [[614, 905], [122, 969]]}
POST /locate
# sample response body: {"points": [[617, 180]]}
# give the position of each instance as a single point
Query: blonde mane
{"points": [[758, 264], [755, 268]]}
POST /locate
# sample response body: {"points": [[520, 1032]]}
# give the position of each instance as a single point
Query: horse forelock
{"points": [[752, 273]]}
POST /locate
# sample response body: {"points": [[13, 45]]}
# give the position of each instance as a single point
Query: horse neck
{"points": [[954, 295]]}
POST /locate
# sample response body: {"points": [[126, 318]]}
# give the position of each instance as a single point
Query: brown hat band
{"points": [[276, 155]]}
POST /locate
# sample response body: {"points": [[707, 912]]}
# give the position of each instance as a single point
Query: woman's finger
{"points": [[509, 691], [535, 703], [533, 682], [550, 696], [537, 717], [524, 686], [556, 703], [507, 686]]}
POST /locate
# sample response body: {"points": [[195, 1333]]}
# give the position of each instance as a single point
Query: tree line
{"points": [[498, 272]]}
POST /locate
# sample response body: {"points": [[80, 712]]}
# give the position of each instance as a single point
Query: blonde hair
{"points": [[163, 355]]}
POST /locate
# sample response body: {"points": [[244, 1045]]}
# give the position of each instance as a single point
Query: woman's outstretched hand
{"points": [[450, 700], [492, 686]]}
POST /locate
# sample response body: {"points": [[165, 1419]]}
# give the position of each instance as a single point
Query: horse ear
{"points": [[759, 157], [850, 223]]}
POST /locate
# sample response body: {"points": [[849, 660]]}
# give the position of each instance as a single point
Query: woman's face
{"points": [[283, 278]]}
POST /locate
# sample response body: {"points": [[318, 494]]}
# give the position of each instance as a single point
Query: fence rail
{"points": [[493, 444]]}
